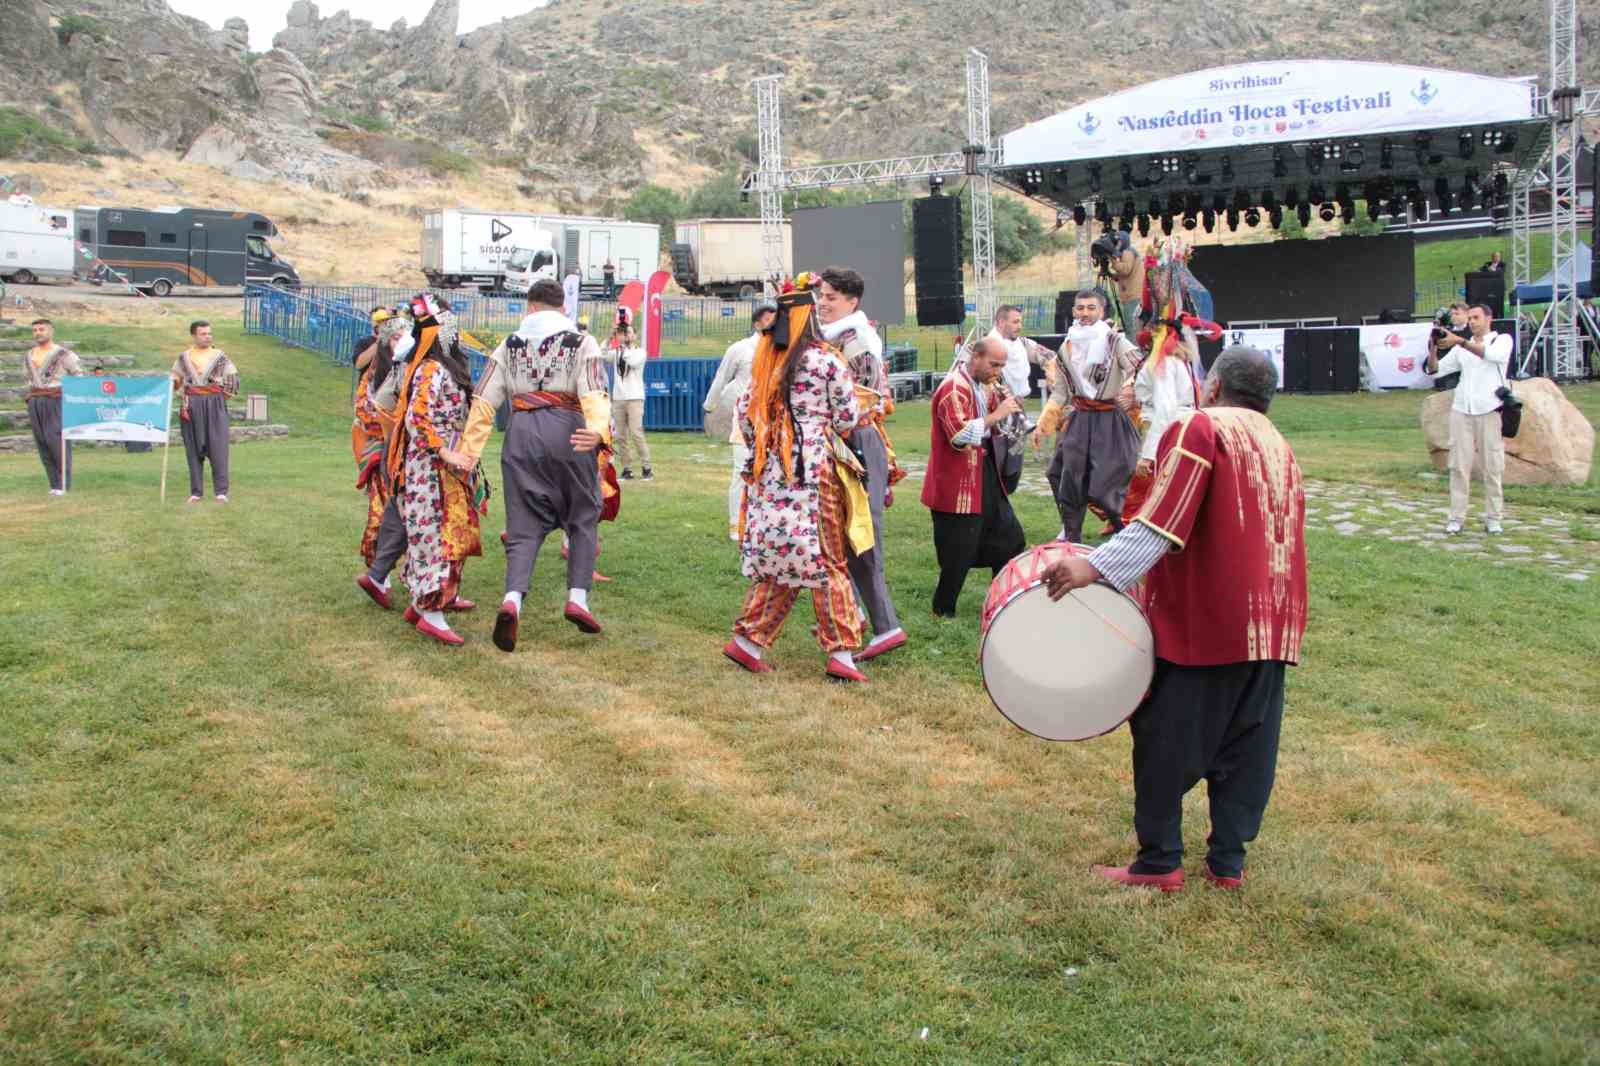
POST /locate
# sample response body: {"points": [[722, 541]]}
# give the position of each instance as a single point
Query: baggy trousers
{"points": [[44, 418], [866, 569], [205, 437], [548, 486], [391, 543], [1094, 460], [1217, 723]]}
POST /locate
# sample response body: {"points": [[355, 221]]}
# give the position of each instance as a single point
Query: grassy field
{"points": [[247, 817]]}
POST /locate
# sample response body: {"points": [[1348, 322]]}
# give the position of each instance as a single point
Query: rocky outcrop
{"points": [[234, 38], [1553, 446], [429, 51], [287, 91]]}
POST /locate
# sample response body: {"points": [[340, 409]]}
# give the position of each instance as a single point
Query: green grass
{"points": [[22, 134], [245, 816], [1439, 262]]}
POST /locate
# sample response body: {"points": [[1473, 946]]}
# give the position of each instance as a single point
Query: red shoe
{"points": [[412, 615], [581, 618], [460, 603], [875, 649], [1168, 882], [1216, 881], [502, 537], [376, 591], [505, 629], [443, 636], [838, 671], [745, 659]]}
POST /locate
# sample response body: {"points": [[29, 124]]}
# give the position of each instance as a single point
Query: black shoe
{"points": [[626, 475], [648, 476]]}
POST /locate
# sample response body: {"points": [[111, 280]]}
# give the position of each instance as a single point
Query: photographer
{"points": [[623, 352], [1451, 320], [1481, 359], [1115, 258]]}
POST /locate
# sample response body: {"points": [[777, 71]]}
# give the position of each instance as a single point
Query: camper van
{"points": [[170, 246], [35, 241]]}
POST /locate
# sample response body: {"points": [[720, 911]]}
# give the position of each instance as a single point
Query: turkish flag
{"points": [[631, 297], [652, 313]]}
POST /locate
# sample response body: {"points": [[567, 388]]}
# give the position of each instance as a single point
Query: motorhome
{"points": [[157, 250], [35, 241]]}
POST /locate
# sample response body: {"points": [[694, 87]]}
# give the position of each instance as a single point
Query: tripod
{"points": [[1107, 286]]}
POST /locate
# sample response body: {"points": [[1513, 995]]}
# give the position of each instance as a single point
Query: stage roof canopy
{"points": [[1232, 133]]}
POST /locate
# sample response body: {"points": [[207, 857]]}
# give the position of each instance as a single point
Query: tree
{"points": [[654, 203], [720, 198]]}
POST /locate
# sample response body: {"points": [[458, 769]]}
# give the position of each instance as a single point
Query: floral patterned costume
{"points": [[435, 501]]}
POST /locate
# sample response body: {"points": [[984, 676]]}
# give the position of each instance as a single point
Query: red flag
{"points": [[631, 297], [652, 313]]}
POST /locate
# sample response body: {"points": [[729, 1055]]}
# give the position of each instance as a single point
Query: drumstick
{"points": [[1109, 624]]}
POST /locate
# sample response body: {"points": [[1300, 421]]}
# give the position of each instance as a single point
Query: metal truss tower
{"points": [[981, 153], [769, 181]]}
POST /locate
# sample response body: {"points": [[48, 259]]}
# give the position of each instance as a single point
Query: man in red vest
{"points": [[1221, 545]]}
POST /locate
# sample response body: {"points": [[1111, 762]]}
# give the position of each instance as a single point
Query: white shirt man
{"points": [[1482, 361], [1021, 353], [623, 352], [722, 399]]}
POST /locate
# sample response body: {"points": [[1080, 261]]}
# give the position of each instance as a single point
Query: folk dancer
{"points": [[43, 368], [439, 500], [1022, 354], [209, 380], [556, 452], [381, 364], [801, 401], [845, 327], [1098, 445], [973, 523], [1221, 546], [722, 399]]}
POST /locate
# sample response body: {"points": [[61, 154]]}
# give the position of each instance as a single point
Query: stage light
{"points": [[1493, 139], [1190, 222], [1397, 208], [1128, 211], [1079, 215], [1291, 197], [1166, 225], [1418, 202], [1241, 200], [1252, 218], [1280, 165], [1127, 176], [1386, 154], [744, 196], [1465, 144], [936, 184], [1423, 143], [1094, 177], [1373, 207], [1303, 213], [1192, 204], [1341, 192], [1208, 219], [1316, 194], [1508, 143], [1471, 190], [1102, 212], [1313, 160], [1171, 164], [1232, 219], [1502, 185], [1191, 170], [1227, 168], [1061, 181], [1441, 192], [1155, 205], [1144, 224], [1152, 170], [1269, 199], [1032, 180], [1275, 216], [1347, 212], [1355, 156], [1219, 203], [1326, 211]]}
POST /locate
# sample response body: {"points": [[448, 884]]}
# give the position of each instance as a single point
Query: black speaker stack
{"points": [[1487, 287], [936, 259], [1321, 360]]}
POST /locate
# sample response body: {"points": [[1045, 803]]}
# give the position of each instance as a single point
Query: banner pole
{"points": [[64, 447], [166, 449]]}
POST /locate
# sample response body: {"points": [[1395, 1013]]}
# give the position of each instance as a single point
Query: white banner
{"points": [[1265, 103], [1397, 354], [1269, 341]]}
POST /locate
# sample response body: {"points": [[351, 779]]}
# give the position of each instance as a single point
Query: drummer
{"points": [[1222, 539], [973, 524]]}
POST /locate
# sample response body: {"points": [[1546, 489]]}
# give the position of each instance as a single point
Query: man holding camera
{"points": [[1482, 359], [627, 359], [1117, 259], [1453, 320]]}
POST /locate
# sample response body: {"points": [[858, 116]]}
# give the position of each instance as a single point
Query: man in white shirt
{"points": [[1021, 353], [722, 399], [627, 359], [1482, 360]]}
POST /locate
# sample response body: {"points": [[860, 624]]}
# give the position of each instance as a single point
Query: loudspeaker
{"points": [[1296, 369], [1064, 301], [1392, 315], [1346, 353], [936, 261], [1487, 287]]}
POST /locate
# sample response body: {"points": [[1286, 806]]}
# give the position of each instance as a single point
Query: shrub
{"points": [[74, 24], [444, 162], [20, 132]]}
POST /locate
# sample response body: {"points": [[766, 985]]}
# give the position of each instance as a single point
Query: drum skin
{"points": [[1067, 669]]}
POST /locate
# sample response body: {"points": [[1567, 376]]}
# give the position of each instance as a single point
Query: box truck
{"points": [[160, 249], [723, 257], [35, 242], [501, 249]]}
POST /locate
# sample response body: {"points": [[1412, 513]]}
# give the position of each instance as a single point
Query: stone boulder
{"points": [[1554, 446], [288, 92], [234, 38]]}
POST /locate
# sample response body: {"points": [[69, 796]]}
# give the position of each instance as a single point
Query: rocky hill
{"points": [[586, 100]]}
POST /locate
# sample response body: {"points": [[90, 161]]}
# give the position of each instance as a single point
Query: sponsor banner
{"points": [[116, 408], [1397, 354], [652, 312], [1269, 341], [1257, 103]]}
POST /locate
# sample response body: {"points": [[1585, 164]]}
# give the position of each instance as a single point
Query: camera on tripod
{"points": [[1104, 251], [1442, 325]]}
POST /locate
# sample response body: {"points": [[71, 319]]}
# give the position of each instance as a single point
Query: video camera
{"points": [[1104, 250], [1442, 326]]}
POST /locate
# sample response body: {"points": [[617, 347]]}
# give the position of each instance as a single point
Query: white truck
{"points": [[723, 257], [503, 250], [35, 241]]}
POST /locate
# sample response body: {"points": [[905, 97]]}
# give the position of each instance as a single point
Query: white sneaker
{"points": [[1452, 528], [57, 492], [222, 497], [1493, 527]]}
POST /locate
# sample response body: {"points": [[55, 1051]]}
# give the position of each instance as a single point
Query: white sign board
{"points": [[1397, 354], [1268, 341], [1265, 103]]}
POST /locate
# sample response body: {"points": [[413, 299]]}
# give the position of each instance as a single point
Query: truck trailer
{"points": [[157, 250], [35, 242], [501, 250], [723, 257]]}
